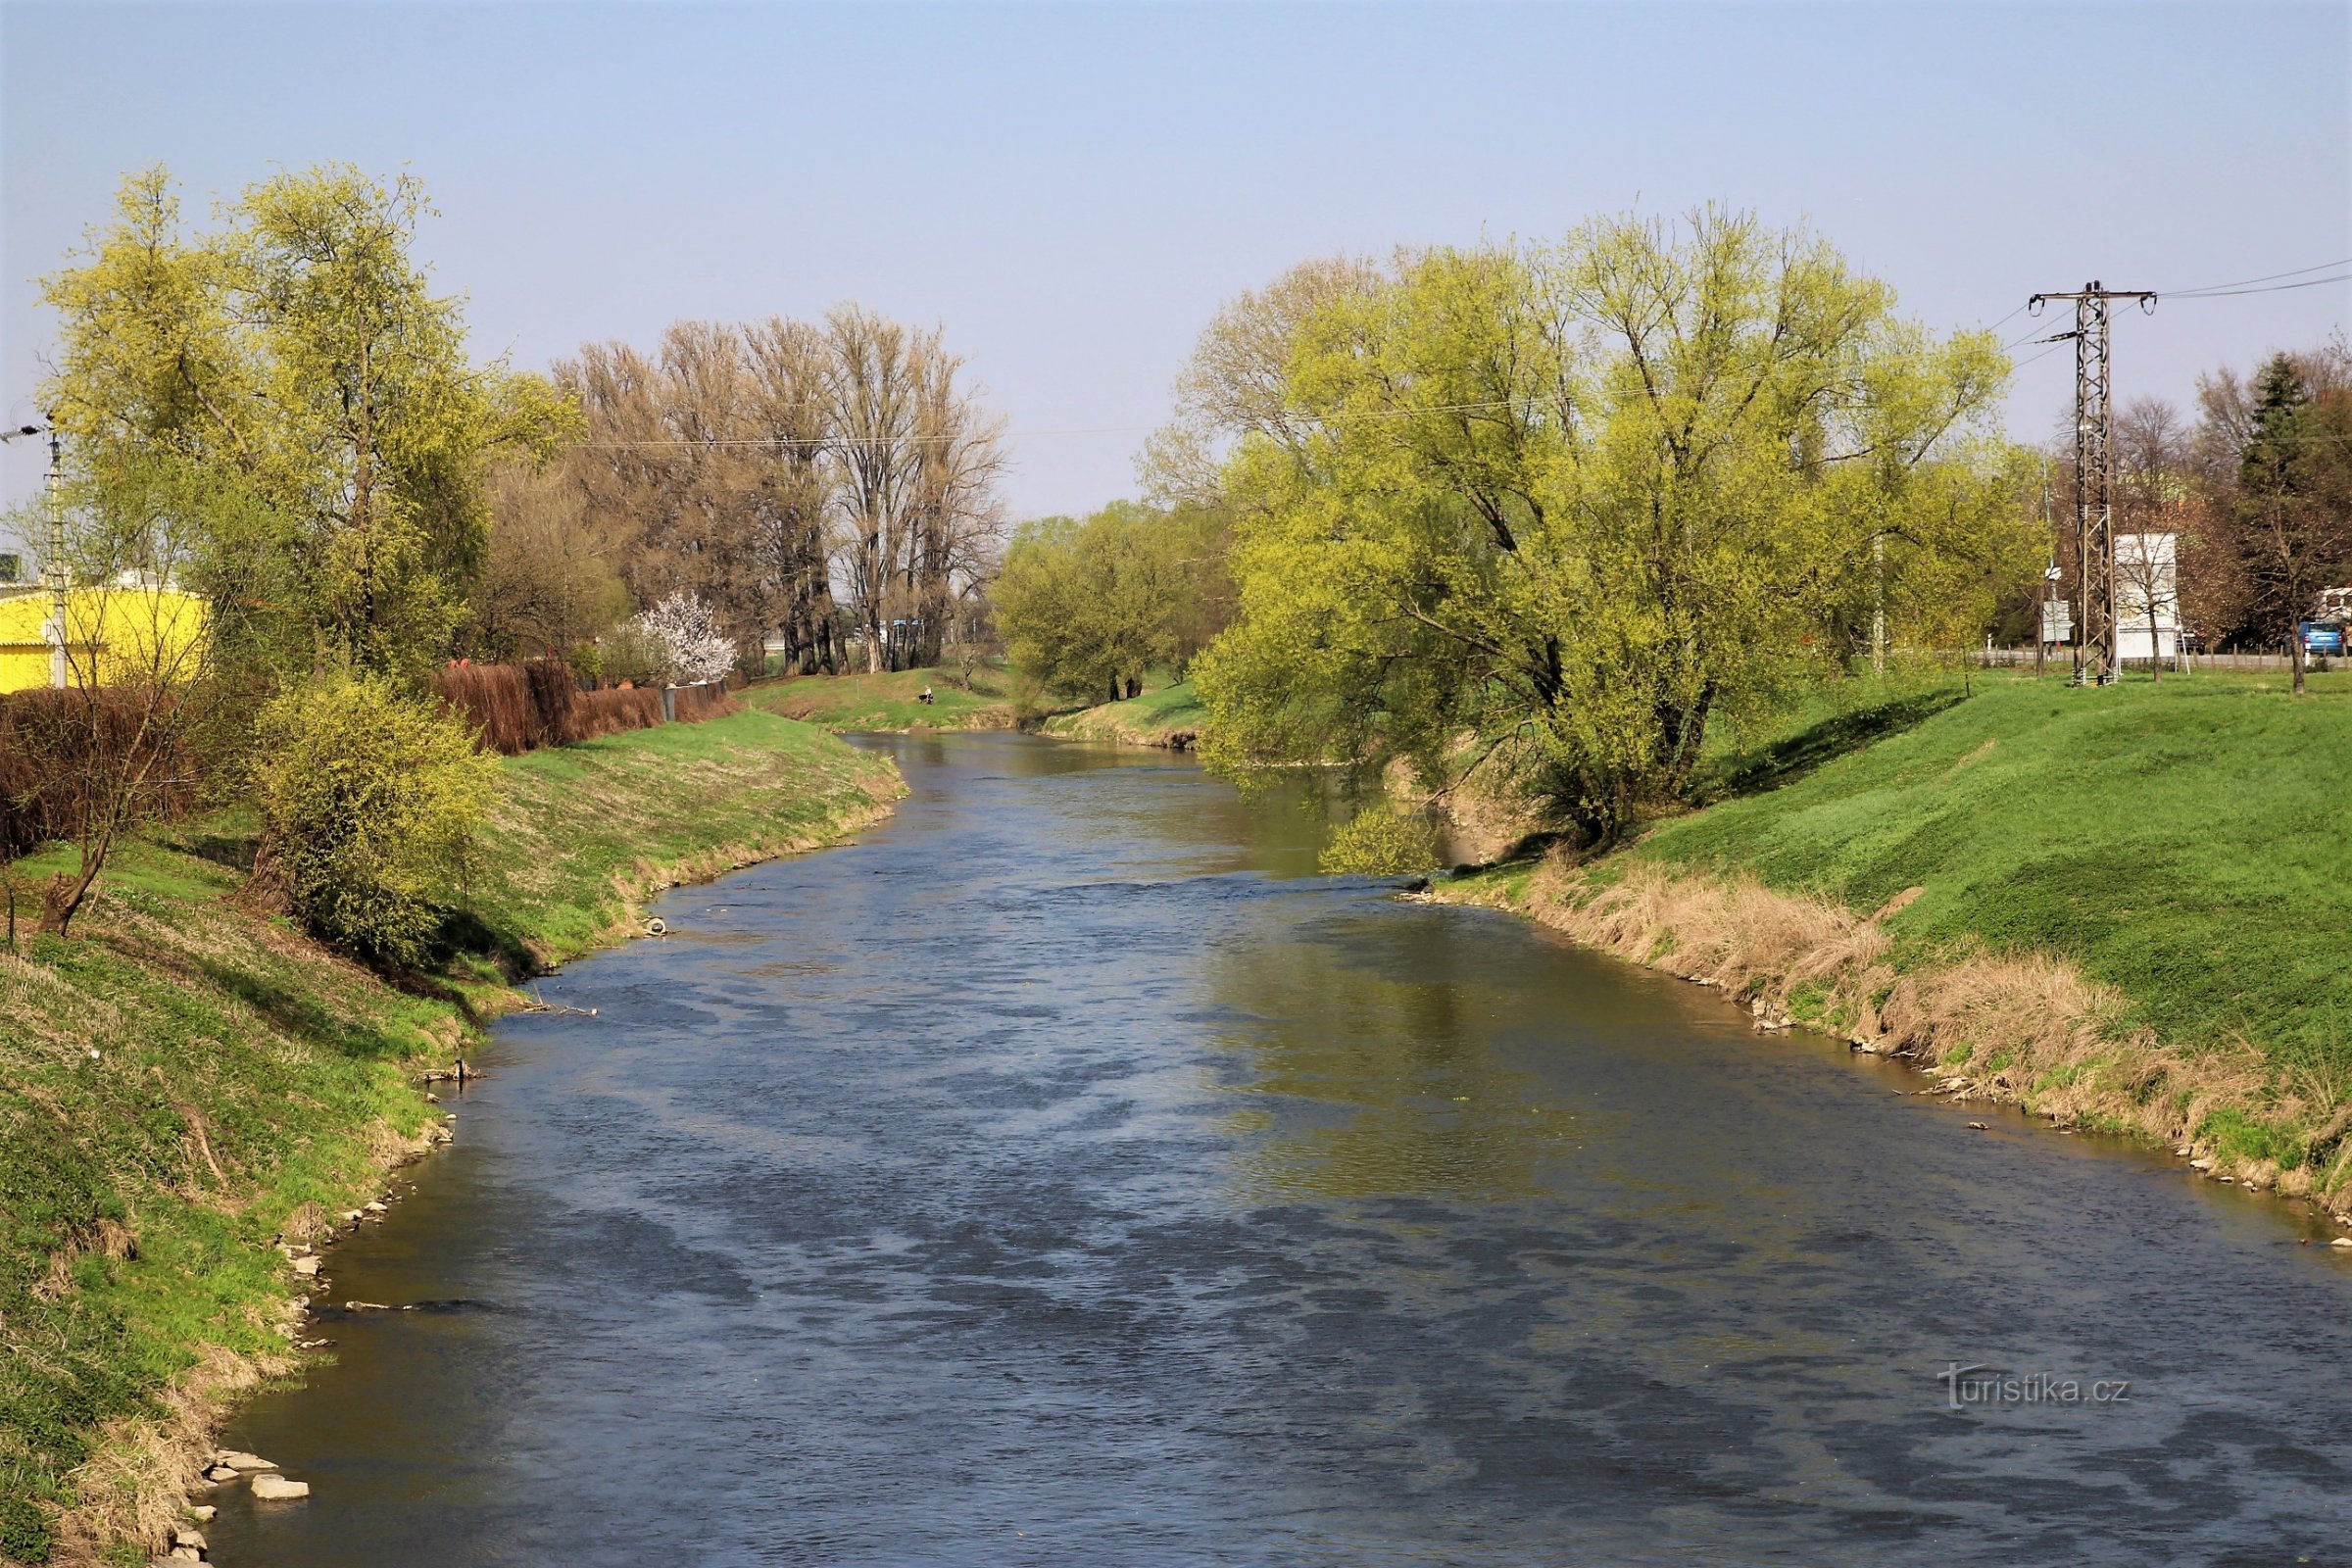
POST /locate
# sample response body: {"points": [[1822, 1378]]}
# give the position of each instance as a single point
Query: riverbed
{"points": [[1064, 1174]]}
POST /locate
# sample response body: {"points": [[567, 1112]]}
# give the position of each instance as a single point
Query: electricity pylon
{"points": [[2094, 476]]}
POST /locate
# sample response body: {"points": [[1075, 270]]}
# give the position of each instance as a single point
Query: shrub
{"points": [[1382, 841], [57, 746], [684, 630], [370, 803]]}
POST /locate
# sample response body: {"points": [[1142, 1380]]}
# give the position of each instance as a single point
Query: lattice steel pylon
{"points": [[2094, 476]]}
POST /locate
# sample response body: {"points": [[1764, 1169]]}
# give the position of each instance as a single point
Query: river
{"points": [[1065, 1174]]}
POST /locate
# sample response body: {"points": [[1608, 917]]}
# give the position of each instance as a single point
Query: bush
{"points": [[56, 745], [1382, 841], [370, 803]]}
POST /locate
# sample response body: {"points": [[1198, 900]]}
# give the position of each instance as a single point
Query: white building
{"points": [[2147, 597]]}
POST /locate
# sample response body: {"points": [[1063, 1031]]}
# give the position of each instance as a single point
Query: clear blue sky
{"points": [[1071, 190]]}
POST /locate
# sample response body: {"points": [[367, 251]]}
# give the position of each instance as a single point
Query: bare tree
{"points": [[774, 468], [92, 758], [788, 368], [2153, 443], [957, 524], [873, 387]]}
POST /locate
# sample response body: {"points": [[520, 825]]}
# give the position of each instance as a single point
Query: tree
{"points": [[1568, 505], [115, 743], [1237, 381], [2153, 512], [2294, 498], [548, 583], [1088, 606], [759, 465], [791, 535], [298, 355], [688, 635]]}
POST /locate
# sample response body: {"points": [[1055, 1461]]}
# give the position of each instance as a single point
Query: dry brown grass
{"points": [[2027, 1030], [136, 1486]]}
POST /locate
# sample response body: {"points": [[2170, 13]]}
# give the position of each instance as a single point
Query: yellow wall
{"points": [[122, 634]]}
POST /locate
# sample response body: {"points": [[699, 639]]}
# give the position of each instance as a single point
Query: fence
{"points": [[520, 708], [2060, 658]]}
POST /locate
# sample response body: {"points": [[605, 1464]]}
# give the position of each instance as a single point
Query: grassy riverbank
{"points": [[2131, 907], [890, 700], [188, 1082], [1170, 716]]}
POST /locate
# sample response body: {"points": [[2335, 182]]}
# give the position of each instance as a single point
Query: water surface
{"points": [[1063, 1174]]}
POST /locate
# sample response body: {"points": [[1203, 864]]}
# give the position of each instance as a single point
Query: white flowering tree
{"points": [[683, 626]]}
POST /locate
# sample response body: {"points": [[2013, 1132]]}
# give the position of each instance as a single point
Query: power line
{"points": [[2266, 277], [2274, 288]]}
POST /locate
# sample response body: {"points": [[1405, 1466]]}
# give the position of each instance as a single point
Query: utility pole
{"points": [[2094, 476], [2049, 579], [53, 545]]}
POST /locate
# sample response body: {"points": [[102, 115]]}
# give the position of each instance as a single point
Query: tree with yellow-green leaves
{"points": [[1088, 606], [1556, 510], [295, 367]]}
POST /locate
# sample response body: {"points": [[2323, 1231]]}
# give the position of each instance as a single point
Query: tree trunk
{"points": [[2294, 653]]}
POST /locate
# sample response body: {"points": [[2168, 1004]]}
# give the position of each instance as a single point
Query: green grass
{"points": [[582, 828], [1156, 718], [888, 700], [246, 1081], [2186, 842]]}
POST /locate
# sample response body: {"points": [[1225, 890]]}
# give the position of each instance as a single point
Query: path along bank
{"points": [[193, 1095], [2127, 910]]}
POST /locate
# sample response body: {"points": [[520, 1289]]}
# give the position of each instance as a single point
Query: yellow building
{"points": [[128, 631]]}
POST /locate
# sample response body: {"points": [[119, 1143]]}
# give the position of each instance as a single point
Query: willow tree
{"points": [[1565, 507], [298, 356]]}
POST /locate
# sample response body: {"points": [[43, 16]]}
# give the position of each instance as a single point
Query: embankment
{"points": [[189, 1088], [890, 702], [1169, 717], [2128, 909]]}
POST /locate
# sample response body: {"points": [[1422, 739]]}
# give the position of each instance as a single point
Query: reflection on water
{"points": [[1065, 1175]]}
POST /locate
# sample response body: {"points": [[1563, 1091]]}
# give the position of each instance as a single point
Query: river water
{"points": [[1063, 1174]]}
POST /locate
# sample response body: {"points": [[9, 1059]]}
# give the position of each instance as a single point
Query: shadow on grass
{"points": [[303, 1015], [465, 934], [1786, 760]]}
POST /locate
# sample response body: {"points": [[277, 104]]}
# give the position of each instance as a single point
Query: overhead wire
{"points": [[2274, 288], [2243, 283]]}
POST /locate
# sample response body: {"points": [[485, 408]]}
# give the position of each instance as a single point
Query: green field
{"points": [[890, 700], [1169, 716], [188, 1079], [2188, 842]]}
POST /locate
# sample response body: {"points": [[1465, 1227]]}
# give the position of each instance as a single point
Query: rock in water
{"points": [[276, 1488], [243, 1463]]}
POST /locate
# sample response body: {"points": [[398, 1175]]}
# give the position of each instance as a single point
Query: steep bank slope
{"points": [[188, 1082], [2130, 906]]}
